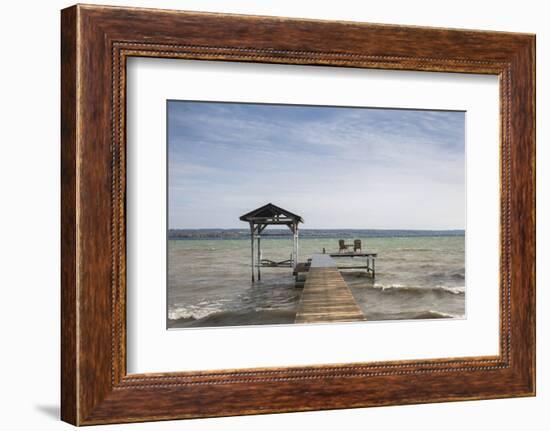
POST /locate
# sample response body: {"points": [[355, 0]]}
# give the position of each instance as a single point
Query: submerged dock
{"points": [[326, 297]]}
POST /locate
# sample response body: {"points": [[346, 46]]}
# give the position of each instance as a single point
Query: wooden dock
{"points": [[326, 297], [368, 266]]}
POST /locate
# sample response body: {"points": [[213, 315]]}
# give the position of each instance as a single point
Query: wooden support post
{"points": [[252, 248], [259, 255], [373, 260], [295, 245]]}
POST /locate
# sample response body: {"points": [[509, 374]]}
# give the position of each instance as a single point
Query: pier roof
{"points": [[271, 214]]}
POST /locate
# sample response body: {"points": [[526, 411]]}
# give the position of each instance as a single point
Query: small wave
{"points": [[433, 314], [457, 275], [455, 290], [191, 313], [412, 315], [276, 297], [236, 318]]}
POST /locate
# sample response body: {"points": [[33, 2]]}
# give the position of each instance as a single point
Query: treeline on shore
{"points": [[308, 233]]}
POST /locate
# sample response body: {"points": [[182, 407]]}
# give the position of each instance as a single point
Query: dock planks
{"points": [[326, 297]]}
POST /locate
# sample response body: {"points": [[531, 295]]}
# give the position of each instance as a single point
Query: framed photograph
{"points": [[263, 214]]}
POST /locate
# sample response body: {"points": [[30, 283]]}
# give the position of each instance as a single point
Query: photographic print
{"points": [[278, 221], [299, 214]]}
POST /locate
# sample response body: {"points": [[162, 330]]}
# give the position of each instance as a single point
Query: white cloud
{"points": [[354, 168]]}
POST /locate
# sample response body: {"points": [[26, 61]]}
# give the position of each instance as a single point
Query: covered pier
{"points": [[258, 220], [326, 297]]}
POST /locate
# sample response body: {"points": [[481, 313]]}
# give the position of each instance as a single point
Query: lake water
{"points": [[209, 279]]}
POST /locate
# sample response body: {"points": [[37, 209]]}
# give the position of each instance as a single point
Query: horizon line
{"points": [[314, 228]]}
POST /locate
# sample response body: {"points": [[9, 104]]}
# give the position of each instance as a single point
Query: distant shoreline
{"points": [[220, 234]]}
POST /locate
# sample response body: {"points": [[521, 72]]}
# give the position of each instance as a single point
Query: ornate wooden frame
{"points": [[95, 42]]}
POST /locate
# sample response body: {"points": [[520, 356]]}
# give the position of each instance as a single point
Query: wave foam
{"points": [[195, 313]]}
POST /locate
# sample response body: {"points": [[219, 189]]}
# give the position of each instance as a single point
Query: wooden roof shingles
{"points": [[270, 211]]}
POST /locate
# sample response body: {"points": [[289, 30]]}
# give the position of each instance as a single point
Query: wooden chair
{"points": [[342, 246], [357, 245]]}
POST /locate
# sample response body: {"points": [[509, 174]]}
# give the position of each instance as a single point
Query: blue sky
{"points": [[336, 167]]}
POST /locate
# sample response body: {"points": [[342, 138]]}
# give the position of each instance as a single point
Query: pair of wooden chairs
{"points": [[343, 247]]}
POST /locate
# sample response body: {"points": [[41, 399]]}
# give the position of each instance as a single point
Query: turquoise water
{"points": [[209, 280]]}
